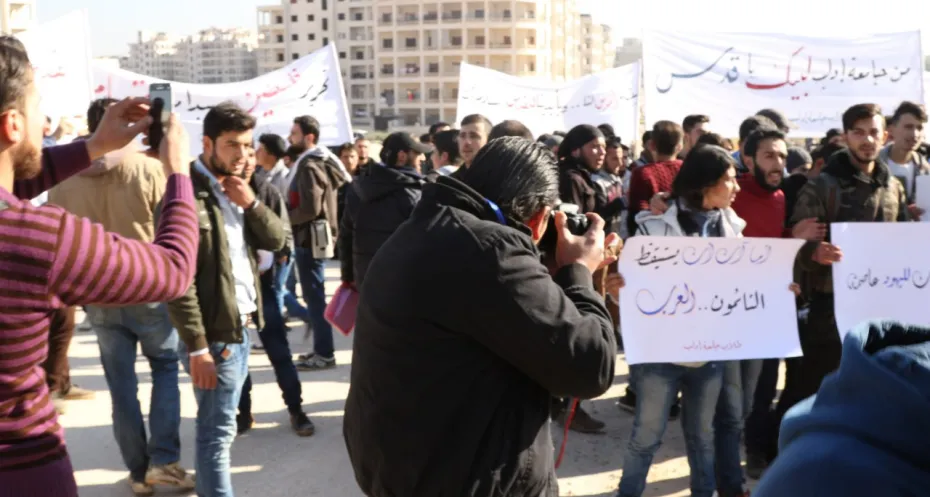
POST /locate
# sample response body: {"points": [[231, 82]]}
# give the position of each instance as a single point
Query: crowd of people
{"points": [[479, 290]]}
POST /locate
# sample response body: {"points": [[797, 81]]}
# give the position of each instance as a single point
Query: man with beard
{"points": [[363, 146], [907, 133], [378, 203], [212, 315], [50, 260], [855, 186]]}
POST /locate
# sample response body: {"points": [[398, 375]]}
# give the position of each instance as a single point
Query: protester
{"points": [[273, 336], [607, 130], [363, 147], [907, 133], [33, 459], [855, 186], [863, 434], [124, 197], [472, 136], [510, 128], [781, 122], [746, 128], [446, 158], [348, 155], [270, 154], [645, 156], [313, 204], [212, 314], [610, 180], [699, 206], [693, 127], [716, 140], [553, 143], [487, 338], [378, 203], [664, 145], [834, 136]]}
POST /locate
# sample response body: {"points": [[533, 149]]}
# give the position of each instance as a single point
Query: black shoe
{"points": [[582, 422], [244, 423], [302, 424], [756, 464], [627, 403], [674, 412]]}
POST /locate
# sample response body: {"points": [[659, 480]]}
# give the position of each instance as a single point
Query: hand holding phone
{"points": [[160, 98]]}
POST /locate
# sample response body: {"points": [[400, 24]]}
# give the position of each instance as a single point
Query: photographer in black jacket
{"points": [[462, 335]]}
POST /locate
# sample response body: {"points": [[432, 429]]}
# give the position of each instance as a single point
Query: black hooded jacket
{"points": [[376, 204], [454, 364]]}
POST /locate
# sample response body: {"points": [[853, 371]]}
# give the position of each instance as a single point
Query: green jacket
{"points": [[208, 312]]}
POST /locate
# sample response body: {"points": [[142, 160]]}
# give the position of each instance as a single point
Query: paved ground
{"points": [[270, 461]]}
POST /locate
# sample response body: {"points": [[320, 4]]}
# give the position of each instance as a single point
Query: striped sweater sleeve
{"points": [[58, 164], [95, 267]]}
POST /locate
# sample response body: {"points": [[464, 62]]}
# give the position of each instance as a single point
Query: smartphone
{"points": [[161, 99]]}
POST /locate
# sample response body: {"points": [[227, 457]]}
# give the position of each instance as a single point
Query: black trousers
{"points": [[761, 429]]}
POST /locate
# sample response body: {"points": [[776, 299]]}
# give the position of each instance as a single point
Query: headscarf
{"points": [[578, 137]]}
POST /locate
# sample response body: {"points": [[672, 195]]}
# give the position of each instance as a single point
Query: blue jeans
{"points": [[312, 282], [119, 330], [216, 416], [286, 298], [657, 387], [739, 385], [274, 340]]}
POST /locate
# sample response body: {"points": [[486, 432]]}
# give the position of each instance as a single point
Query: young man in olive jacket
{"points": [[211, 316]]}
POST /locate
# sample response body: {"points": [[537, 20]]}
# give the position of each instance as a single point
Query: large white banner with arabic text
{"points": [[813, 81], [59, 51], [310, 85], [873, 282], [690, 299], [609, 96]]}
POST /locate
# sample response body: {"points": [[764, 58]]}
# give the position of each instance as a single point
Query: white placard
{"points": [[922, 196], [813, 81], [875, 282], [690, 299], [59, 51], [311, 85], [609, 96]]}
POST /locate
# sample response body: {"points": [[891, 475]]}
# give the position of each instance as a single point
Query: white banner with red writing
{"points": [[729, 77], [311, 85], [691, 299], [59, 51], [609, 96]]}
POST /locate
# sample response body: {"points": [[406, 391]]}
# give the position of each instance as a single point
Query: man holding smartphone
{"points": [[211, 316]]}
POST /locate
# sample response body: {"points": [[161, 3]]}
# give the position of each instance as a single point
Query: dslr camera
{"points": [[576, 222]]}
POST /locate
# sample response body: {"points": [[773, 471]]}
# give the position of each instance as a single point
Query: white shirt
{"points": [[904, 172], [234, 224], [280, 177]]}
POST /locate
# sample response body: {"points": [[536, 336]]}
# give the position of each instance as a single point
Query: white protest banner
{"points": [[610, 96], [311, 85], [59, 51], [812, 80], [690, 299], [922, 196], [873, 282]]}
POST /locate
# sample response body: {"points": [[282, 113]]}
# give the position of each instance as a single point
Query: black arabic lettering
{"points": [[760, 258], [693, 75], [648, 257], [919, 281], [900, 74], [714, 306], [829, 70], [724, 257], [690, 257]]}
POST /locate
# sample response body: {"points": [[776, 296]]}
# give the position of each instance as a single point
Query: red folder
{"points": [[341, 309]]}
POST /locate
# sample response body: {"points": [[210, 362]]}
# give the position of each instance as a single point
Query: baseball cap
{"points": [[400, 141], [778, 118]]}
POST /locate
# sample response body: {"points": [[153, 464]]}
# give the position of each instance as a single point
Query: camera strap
{"points": [[497, 211]]}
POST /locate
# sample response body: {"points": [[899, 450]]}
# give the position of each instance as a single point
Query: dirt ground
{"points": [[271, 461]]}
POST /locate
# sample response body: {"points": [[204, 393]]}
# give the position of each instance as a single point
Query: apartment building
{"points": [[629, 51], [211, 56], [17, 16], [400, 59], [597, 50]]}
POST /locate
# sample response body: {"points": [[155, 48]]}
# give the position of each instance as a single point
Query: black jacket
{"points": [[454, 365], [576, 186], [267, 194], [376, 204]]}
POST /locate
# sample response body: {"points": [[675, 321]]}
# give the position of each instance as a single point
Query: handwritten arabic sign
{"points": [[812, 80], [310, 85], [873, 282], [609, 96], [59, 51], [691, 299]]}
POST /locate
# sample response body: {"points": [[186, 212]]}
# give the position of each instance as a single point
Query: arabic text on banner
{"points": [[873, 282], [812, 80], [609, 96], [311, 85], [690, 299], [59, 51]]}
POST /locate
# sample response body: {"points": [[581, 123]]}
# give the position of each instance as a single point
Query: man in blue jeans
{"points": [[211, 316], [312, 283]]}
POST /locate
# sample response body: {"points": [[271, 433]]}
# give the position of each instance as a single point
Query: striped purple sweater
{"points": [[50, 259]]}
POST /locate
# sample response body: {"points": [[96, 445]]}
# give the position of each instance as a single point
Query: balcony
{"points": [[387, 72], [386, 20], [452, 46], [501, 45], [430, 18], [406, 48], [408, 19], [454, 17], [409, 73], [359, 75], [477, 45]]}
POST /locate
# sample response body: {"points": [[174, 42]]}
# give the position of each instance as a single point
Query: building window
{"points": [[325, 41], [279, 20], [456, 41], [294, 37], [342, 55], [433, 67], [311, 36], [293, 18], [310, 18], [295, 56], [341, 17], [324, 4], [479, 41], [325, 24], [410, 43], [280, 38], [387, 43]]}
